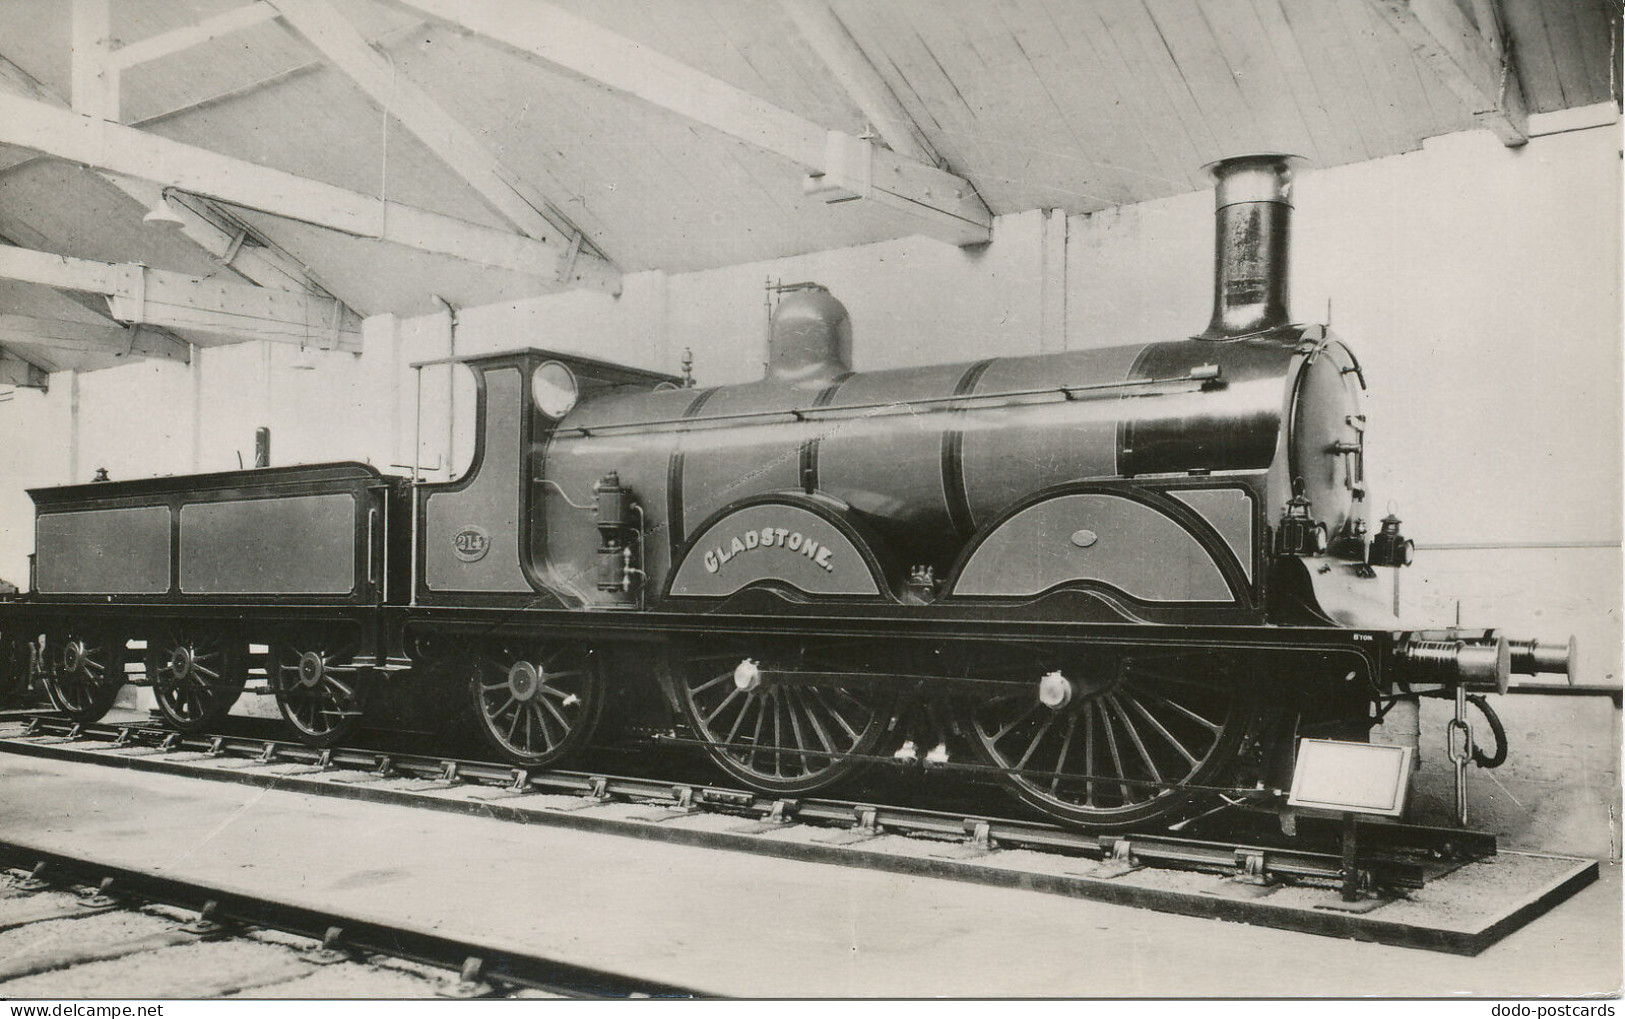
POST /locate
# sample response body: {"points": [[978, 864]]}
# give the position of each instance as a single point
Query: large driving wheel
{"points": [[84, 669], [1109, 740], [784, 717], [536, 703], [196, 673], [318, 687]]}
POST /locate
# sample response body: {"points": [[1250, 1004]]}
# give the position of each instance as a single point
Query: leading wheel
{"points": [[1110, 740], [536, 703], [784, 717], [84, 669], [197, 674], [318, 687]]}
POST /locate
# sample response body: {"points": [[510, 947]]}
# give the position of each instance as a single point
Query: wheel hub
{"points": [[181, 662], [1055, 691], [311, 669], [523, 681], [73, 655], [748, 675]]}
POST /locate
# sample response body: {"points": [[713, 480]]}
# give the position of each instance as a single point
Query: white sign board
{"points": [[1363, 778]]}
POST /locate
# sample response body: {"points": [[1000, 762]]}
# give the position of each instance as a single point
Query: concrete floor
{"points": [[739, 924]]}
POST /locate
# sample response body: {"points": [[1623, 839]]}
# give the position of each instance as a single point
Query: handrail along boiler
{"points": [[1120, 580]]}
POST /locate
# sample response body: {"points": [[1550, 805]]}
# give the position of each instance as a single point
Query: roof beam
{"points": [[95, 79], [90, 337], [843, 167], [103, 145], [512, 198], [165, 44], [206, 226], [138, 295], [20, 372], [1466, 60], [822, 29]]}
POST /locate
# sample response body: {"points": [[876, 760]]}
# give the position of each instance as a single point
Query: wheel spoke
{"points": [[840, 720], [1043, 730], [1161, 730], [1117, 759], [817, 726], [1206, 723], [996, 737], [1066, 745], [1134, 737], [541, 704], [710, 683], [735, 692]]}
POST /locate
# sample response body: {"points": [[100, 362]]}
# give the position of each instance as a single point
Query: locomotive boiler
{"points": [[1120, 581]]}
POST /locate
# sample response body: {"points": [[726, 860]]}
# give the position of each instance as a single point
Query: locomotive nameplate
{"points": [[773, 543]]}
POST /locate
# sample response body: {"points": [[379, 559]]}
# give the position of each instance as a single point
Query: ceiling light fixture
{"points": [[163, 215]]}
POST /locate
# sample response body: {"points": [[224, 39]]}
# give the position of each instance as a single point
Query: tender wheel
{"points": [[536, 704], [318, 688], [779, 717], [197, 674], [1109, 741], [84, 669]]}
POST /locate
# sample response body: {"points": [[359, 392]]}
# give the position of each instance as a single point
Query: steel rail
{"points": [[218, 904], [1388, 867]]}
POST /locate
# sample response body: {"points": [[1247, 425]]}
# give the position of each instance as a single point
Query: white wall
{"points": [[1479, 285]]}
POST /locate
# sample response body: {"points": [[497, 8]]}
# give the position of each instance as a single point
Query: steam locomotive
{"points": [[1119, 581]]}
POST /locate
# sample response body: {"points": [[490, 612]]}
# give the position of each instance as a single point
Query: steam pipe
{"points": [[1252, 233]]}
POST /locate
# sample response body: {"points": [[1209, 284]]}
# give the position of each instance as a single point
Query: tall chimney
{"points": [[1252, 221]]}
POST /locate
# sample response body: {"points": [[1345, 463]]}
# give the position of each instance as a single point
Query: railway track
{"points": [[143, 914], [1235, 879]]}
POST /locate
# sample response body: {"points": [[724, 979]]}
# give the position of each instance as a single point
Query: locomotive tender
{"points": [[1119, 580]]}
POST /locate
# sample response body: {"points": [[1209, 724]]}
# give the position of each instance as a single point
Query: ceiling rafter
{"points": [[503, 190], [1470, 60], [138, 295], [104, 145], [207, 226], [843, 168], [92, 337], [165, 44], [822, 29], [153, 341], [18, 371]]}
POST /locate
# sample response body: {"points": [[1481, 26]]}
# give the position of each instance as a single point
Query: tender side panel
{"points": [[290, 545], [103, 551], [1094, 538]]}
